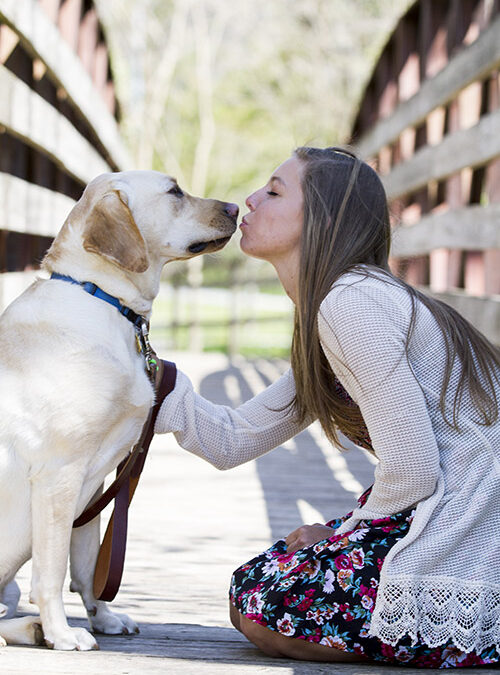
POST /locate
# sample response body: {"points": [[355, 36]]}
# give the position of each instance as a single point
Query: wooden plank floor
{"points": [[190, 526]]}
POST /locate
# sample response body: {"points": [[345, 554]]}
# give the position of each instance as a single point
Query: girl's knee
{"points": [[234, 616], [279, 646], [263, 638]]}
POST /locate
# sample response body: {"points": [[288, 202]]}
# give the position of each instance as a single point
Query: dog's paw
{"points": [[71, 639], [110, 623]]}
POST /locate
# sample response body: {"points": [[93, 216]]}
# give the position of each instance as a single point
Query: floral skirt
{"points": [[326, 593]]}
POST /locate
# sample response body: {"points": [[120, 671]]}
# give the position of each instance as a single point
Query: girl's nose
{"points": [[249, 201]]}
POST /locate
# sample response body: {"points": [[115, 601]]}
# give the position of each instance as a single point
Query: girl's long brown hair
{"points": [[346, 224]]}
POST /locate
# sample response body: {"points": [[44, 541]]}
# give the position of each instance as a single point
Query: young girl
{"points": [[413, 574]]}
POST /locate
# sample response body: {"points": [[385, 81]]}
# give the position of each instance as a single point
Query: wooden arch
{"points": [[429, 121], [58, 120]]}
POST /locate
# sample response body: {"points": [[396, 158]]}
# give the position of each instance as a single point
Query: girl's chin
{"points": [[244, 245], [247, 248], [252, 251]]}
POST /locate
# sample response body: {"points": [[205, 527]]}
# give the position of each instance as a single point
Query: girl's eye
{"points": [[272, 194]]}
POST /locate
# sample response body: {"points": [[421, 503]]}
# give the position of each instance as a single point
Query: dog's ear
{"points": [[111, 232]]}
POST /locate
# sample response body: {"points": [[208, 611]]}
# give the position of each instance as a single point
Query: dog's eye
{"points": [[175, 190]]}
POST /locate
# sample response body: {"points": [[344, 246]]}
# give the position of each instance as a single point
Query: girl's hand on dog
{"points": [[307, 535]]}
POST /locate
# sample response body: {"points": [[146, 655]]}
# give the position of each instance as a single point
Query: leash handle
{"points": [[110, 561]]}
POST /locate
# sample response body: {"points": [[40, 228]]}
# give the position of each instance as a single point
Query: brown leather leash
{"points": [[109, 566]]}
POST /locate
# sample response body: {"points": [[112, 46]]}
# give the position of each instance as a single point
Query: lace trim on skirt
{"points": [[436, 611]]}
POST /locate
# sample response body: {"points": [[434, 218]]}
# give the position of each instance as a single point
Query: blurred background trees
{"points": [[219, 92]]}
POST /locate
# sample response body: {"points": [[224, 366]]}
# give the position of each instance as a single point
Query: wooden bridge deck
{"points": [[190, 526]]}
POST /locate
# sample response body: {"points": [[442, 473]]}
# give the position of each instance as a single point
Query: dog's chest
{"points": [[119, 439]]}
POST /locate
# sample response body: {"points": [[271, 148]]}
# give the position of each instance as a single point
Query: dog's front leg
{"points": [[83, 555], [53, 503]]}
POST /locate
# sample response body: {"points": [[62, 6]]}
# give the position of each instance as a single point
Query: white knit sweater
{"points": [[442, 580]]}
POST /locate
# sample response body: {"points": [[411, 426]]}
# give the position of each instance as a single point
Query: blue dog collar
{"points": [[136, 319]]}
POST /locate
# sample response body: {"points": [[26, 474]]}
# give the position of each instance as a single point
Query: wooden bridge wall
{"points": [[58, 121], [429, 122]]}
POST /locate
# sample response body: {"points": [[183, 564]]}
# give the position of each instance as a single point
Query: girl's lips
{"points": [[243, 223]]}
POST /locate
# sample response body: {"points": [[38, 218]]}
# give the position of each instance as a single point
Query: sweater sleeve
{"points": [[227, 437], [363, 331]]}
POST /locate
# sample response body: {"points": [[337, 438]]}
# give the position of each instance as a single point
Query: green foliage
{"points": [[251, 78], [218, 93]]}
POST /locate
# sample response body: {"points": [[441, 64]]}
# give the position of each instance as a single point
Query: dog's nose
{"points": [[232, 210]]}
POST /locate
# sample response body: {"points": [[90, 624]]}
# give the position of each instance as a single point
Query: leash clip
{"points": [[145, 348], [143, 343]]}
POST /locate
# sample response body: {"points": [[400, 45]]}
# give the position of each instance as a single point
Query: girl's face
{"points": [[273, 227]]}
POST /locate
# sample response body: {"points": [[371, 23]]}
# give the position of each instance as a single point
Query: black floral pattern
{"points": [[326, 593]]}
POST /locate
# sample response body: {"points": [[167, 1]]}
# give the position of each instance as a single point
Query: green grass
{"points": [[258, 331]]}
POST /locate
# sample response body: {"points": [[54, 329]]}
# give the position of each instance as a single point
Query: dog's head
{"points": [[134, 217]]}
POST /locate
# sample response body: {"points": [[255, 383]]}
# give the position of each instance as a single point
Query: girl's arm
{"points": [[224, 436]]}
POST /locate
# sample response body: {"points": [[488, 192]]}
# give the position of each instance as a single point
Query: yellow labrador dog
{"points": [[74, 393]]}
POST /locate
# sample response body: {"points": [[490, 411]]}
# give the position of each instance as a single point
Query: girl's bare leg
{"points": [[234, 616]]}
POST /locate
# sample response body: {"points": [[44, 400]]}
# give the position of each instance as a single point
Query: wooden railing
{"points": [[234, 316], [58, 123], [430, 123]]}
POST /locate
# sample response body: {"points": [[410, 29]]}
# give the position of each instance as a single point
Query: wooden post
{"points": [[51, 7], [387, 85], [87, 39], [100, 67], [195, 279], [174, 321], [472, 101], [3, 246], [444, 265], [492, 191], [8, 42], [69, 21], [233, 343]]}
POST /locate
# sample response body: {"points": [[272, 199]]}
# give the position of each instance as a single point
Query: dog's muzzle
{"points": [[214, 244], [229, 212]]}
